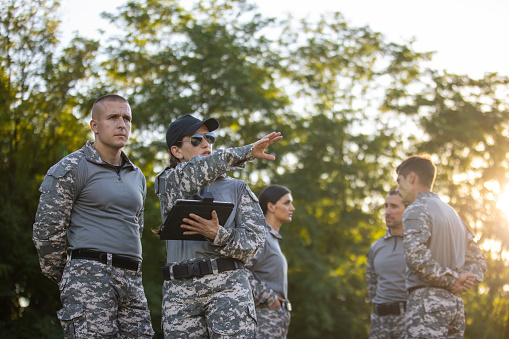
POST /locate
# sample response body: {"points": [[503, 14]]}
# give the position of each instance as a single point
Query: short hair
{"points": [[422, 166], [393, 192], [107, 97], [271, 194]]}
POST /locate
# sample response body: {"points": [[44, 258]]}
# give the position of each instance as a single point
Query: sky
{"points": [[467, 36]]}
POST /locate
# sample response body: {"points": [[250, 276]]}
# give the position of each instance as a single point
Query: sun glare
{"points": [[503, 201]]}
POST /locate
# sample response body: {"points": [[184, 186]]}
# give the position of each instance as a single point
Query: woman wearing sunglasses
{"points": [[206, 292]]}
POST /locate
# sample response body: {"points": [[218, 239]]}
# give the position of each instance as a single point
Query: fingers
{"points": [[199, 225], [260, 146], [275, 305], [195, 219], [469, 283], [273, 137], [268, 140], [214, 217], [267, 156], [465, 282], [192, 223]]}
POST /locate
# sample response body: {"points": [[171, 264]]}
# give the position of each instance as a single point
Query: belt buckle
{"points": [[193, 268]]}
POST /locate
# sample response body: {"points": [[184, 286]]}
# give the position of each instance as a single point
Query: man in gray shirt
{"points": [[385, 275], [95, 196], [442, 258]]}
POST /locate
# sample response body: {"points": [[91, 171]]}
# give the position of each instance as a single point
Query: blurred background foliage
{"points": [[350, 104]]}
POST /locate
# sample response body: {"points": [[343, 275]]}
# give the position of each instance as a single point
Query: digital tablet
{"points": [[171, 229]]}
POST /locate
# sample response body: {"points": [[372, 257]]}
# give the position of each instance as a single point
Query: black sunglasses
{"points": [[196, 139]]}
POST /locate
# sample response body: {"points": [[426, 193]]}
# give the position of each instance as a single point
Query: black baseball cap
{"points": [[185, 125]]}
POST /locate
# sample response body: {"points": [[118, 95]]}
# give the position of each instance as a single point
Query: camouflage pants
{"points": [[272, 322], [387, 326], [435, 313], [101, 301], [213, 306]]}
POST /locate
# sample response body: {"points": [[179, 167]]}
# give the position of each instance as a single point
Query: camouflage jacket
{"points": [[438, 245], [244, 233]]}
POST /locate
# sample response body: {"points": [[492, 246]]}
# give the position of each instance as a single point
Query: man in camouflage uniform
{"points": [[206, 291], [96, 196], [385, 275], [442, 258]]}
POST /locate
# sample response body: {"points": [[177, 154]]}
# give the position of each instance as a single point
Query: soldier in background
{"points": [[385, 275], [95, 196], [442, 258], [206, 291], [268, 268]]}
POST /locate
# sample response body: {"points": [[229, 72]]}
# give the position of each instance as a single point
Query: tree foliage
{"points": [[351, 105], [37, 128]]}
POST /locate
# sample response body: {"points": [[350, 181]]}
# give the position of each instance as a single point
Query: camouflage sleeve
{"points": [[418, 257], [188, 178], [262, 295], [371, 278], [52, 219], [474, 260], [248, 236]]}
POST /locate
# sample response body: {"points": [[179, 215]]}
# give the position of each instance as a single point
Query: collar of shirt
{"points": [[388, 234], [92, 155], [275, 233]]}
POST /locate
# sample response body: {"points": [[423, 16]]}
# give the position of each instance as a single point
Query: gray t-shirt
{"points": [[385, 270], [268, 271]]}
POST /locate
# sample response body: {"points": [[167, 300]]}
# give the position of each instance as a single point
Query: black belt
{"points": [[199, 268], [116, 261], [392, 308], [411, 289]]}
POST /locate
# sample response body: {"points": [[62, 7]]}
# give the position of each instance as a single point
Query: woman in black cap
{"points": [[268, 269], [206, 291]]}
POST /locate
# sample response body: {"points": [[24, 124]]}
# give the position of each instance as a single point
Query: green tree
{"points": [[351, 105], [344, 152], [207, 59], [37, 128], [215, 58]]}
